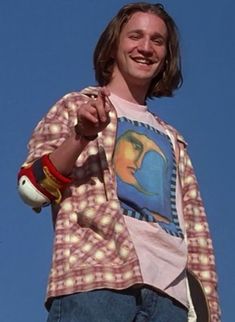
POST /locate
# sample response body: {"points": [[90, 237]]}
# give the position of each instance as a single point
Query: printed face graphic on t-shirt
{"points": [[146, 176], [130, 152]]}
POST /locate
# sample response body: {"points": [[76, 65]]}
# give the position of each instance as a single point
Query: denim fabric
{"points": [[156, 307], [131, 305]]}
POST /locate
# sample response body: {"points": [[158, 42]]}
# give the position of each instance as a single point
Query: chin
{"points": [[142, 80], [144, 75]]}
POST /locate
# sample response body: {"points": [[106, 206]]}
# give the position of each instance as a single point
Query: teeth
{"points": [[142, 61]]}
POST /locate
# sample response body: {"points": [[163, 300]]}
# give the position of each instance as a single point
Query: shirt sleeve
{"points": [[39, 182]]}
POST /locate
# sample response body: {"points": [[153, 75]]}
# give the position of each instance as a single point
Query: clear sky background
{"points": [[46, 51]]}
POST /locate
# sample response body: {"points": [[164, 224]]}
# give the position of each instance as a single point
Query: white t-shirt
{"points": [[149, 191]]}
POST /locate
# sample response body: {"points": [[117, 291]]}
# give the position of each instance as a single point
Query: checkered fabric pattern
{"points": [[92, 246]]}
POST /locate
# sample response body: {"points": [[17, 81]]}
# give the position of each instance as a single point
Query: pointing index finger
{"points": [[105, 92], [102, 106]]}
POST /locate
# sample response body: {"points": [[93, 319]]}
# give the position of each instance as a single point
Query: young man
{"points": [[131, 236]]}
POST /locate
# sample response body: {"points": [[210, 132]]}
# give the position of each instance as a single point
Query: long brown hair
{"points": [[169, 79]]}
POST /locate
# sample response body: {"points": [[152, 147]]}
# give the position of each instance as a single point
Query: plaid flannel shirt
{"points": [[92, 246]]}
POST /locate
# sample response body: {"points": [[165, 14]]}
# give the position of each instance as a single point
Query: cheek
{"points": [[162, 53], [126, 46]]}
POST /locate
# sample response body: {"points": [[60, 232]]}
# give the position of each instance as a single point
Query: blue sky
{"points": [[46, 51]]}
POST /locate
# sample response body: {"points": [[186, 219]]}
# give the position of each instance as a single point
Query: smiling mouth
{"points": [[143, 61]]}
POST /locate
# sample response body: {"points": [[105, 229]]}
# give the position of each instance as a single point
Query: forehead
{"points": [[147, 22]]}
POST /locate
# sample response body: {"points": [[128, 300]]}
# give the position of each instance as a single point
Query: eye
{"points": [[137, 146], [135, 36], [158, 41]]}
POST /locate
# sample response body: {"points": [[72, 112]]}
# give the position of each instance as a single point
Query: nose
{"points": [[139, 160], [145, 46]]}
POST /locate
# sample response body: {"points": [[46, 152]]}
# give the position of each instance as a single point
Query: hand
{"points": [[93, 116]]}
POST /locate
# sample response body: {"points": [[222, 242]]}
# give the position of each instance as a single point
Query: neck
{"points": [[134, 93]]}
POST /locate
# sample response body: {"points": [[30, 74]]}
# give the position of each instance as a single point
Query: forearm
{"points": [[65, 156], [56, 145], [93, 117], [44, 181]]}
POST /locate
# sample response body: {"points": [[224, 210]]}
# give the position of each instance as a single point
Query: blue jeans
{"points": [[130, 305]]}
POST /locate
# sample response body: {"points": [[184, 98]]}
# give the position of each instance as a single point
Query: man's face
{"points": [[141, 49]]}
